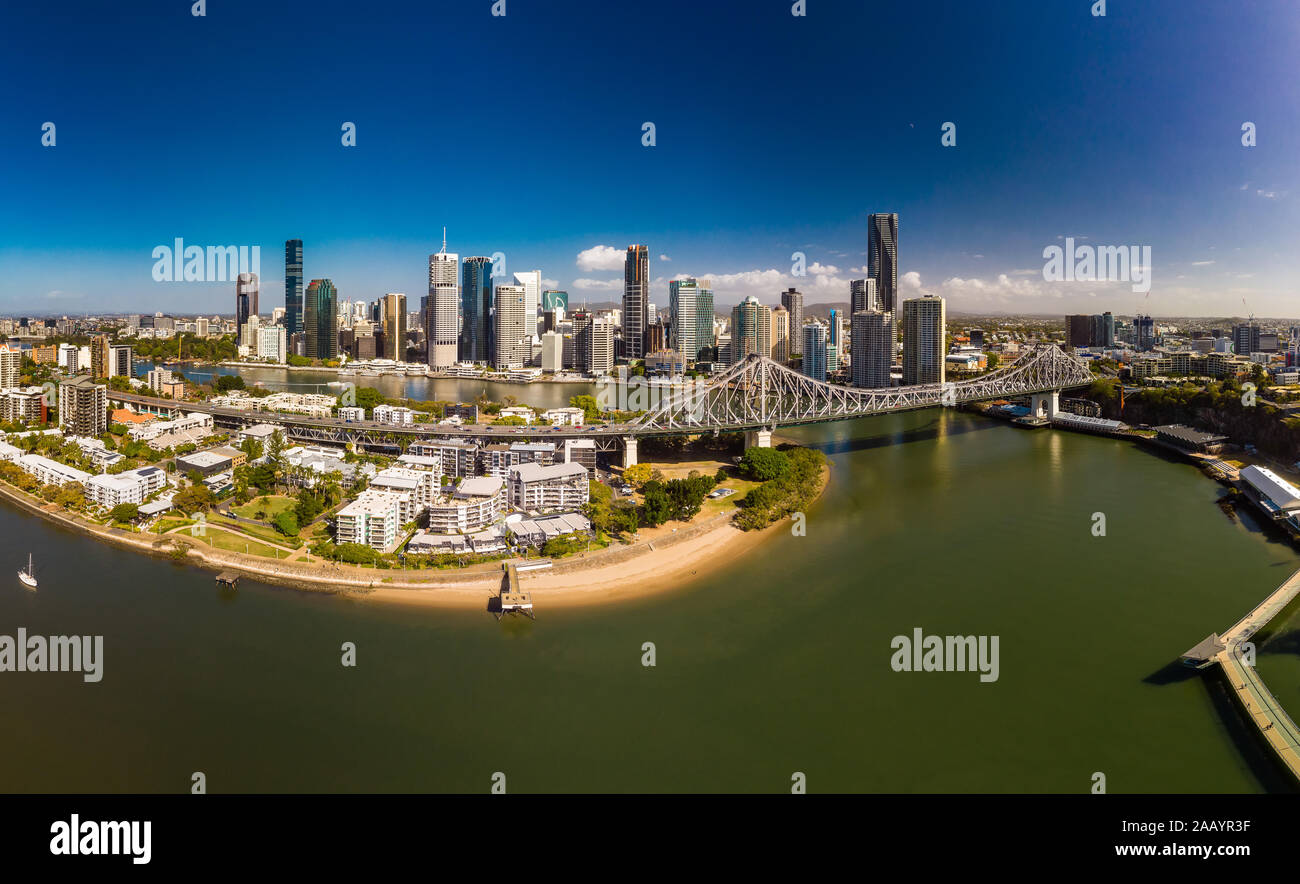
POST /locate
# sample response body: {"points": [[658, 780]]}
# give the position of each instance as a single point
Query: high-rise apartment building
{"points": [[442, 308], [780, 335], [814, 350], [792, 301], [476, 310], [99, 356], [320, 320], [11, 366], [751, 329], [510, 334], [862, 296], [600, 347], [882, 258], [531, 280], [293, 306], [394, 312], [923, 340], [636, 300], [120, 361], [83, 407], [246, 286], [873, 337]]}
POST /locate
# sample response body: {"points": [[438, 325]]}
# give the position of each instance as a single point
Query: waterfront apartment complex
{"points": [[83, 407], [874, 338]]}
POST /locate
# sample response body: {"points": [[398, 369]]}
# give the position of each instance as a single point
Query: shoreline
{"points": [[661, 563]]}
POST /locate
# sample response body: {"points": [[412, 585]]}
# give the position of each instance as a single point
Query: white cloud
{"points": [[664, 258], [599, 285], [550, 283], [601, 258], [1201, 263]]}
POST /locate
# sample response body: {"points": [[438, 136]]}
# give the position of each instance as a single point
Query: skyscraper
{"points": [[636, 298], [1245, 338], [293, 286], [245, 301], [531, 280], [690, 312], [923, 340], [814, 350], [862, 296], [394, 312], [476, 310], [442, 308], [320, 320], [882, 258], [792, 301], [99, 364], [510, 335], [751, 329], [11, 366], [873, 348], [780, 335]]}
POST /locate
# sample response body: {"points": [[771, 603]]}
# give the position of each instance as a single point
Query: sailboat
{"points": [[28, 577]]}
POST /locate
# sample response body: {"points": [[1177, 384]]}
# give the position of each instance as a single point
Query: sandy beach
{"points": [[661, 560]]}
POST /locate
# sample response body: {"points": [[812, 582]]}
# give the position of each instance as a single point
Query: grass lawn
{"points": [[262, 532], [728, 503], [165, 525], [273, 507], [241, 544]]}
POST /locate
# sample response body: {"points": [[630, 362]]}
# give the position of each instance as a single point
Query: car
{"points": [[626, 489]]}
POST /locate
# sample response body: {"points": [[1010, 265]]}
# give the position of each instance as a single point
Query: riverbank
{"points": [[659, 560]]}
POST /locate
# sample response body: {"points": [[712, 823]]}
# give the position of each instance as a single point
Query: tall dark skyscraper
{"points": [[321, 320], [476, 309], [293, 286], [636, 300], [792, 301], [882, 258]]}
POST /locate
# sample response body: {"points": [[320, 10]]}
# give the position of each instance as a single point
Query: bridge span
{"points": [[754, 397]]}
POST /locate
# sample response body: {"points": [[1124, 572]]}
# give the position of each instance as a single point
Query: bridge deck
{"points": [[1274, 724]]}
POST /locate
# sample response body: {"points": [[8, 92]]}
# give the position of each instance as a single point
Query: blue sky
{"points": [[775, 133]]}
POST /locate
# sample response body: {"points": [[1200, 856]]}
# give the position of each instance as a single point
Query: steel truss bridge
{"points": [[754, 396], [760, 393]]}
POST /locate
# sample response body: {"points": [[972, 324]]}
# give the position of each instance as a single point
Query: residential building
{"points": [[882, 258], [320, 322], [814, 350], [923, 340], [83, 407], [538, 488], [476, 310], [873, 340], [374, 519], [510, 333], [792, 301]]}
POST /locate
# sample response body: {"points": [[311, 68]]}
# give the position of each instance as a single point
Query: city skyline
{"points": [[1025, 173]]}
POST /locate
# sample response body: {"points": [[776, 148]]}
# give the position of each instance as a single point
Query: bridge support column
{"points": [[758, 438], [629, 451], [1045, 404]]}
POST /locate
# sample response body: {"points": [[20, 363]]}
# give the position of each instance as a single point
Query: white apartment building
{"points": [[374, 519], [519, 411], [51, 472], [194, 421], [564, 417], [394, 415], [132, 486], [474, 505], [537, 488], [351, 413], [416, 488], [11, 366]]}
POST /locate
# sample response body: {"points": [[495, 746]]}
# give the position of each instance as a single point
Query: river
{"points": [[946, 521]]}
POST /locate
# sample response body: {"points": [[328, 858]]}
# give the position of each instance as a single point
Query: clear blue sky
{"points": [[522, 134]]}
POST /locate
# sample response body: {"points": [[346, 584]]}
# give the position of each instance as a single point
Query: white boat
{"points": [[28, 577]]}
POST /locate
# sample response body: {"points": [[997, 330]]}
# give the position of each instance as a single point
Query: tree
{"points": [[588, 404], [192, 499], [252, 448], [764, 464], [597, 509], [624, 518], [226, 382], [720, 476], [287, 523], [658, 507], [124, 512], [638, 474]]}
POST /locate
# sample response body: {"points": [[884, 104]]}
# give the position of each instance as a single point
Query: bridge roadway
{"points": [[1253, 696]]}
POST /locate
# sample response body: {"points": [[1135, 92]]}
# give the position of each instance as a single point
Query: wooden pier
{"points": [[228, 578]]}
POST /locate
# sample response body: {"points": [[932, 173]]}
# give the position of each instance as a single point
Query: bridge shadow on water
{"points": [[926, 433]]}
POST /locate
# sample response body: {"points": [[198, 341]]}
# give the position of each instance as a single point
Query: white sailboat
{"points": [[28, 577]]}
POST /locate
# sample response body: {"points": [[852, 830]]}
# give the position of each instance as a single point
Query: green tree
{"points": [[124, 512], [286, 522], [764, 464], [658, 507]]}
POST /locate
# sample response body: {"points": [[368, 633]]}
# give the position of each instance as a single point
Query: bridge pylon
{"points": [[758, 438], [629, 451], [1045, 404]]}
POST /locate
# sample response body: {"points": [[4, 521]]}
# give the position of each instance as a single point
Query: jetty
{"points": [[1228, 651], [514, 600]]}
